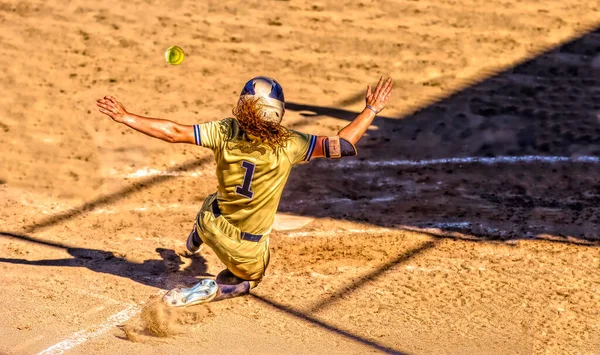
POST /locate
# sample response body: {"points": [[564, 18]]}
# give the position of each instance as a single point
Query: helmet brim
{"points": [[273, 107]]}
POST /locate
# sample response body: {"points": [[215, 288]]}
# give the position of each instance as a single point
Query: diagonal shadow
{"points": [[164, 274], [354, 99], [364, 280], [36, 240], [303, 316], [315, 111], [545, 106], [117, 195]]}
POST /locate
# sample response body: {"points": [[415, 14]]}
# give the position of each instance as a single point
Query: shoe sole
{"points": [[202, 292]]}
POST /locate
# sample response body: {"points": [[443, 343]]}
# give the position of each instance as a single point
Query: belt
{"points": [[244, 235]]}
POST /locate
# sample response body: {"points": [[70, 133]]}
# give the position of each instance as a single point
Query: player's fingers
{"points": [[378, 88], [386, 87], [368, 93], [108, 107], [106, 112], [113, 100], [389, 82], [103, 103]]}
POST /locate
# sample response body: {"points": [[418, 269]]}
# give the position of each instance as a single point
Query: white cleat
{"points": [[202, 292]]}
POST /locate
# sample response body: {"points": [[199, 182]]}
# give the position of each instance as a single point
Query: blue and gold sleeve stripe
{"points": [[311, 147], [197, 134]]}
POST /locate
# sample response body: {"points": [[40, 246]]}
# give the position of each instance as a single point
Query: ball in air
{"points": [[174, 55]]}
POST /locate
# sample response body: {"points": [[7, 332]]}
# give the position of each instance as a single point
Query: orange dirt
{"points": [[456, 258]]}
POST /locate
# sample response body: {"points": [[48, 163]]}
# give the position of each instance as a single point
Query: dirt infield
{"points": [[469, 223]]}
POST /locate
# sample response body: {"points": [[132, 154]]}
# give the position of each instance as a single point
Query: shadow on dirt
{"points": [[164, 274], [307, 317], [543, 108], [117, 195]]}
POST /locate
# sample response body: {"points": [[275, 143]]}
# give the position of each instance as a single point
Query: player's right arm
{"points": [[353, 132], [165, 130]]}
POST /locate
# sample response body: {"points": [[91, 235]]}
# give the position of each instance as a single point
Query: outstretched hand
{"points": [[112, 108], [379, 98]]}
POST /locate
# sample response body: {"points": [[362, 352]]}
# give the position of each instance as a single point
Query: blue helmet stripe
{"points": [[276, 89], [248, 88]]}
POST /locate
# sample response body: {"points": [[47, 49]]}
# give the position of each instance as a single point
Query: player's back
{"points": [[251, 174]]}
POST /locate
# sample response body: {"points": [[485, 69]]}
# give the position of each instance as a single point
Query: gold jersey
{"points": [[251, 175]]}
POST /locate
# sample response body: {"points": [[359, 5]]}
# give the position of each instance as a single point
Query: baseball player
{"points": [[254, 154]]}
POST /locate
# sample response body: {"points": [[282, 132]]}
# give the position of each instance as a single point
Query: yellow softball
{"points": [[174, 55]]}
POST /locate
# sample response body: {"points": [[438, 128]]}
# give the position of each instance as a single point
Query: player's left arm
{"points": [[343, 144], [168, 131]]}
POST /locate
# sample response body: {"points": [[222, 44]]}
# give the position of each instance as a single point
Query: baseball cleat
{"points": [[202, 292]]}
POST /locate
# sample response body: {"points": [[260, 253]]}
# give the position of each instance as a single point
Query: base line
{"points": [[92, 332], [472, 160], [82, 336], [586, 159]]}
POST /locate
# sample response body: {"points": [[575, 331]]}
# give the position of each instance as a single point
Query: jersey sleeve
{"points": [[212, 134], [300, 147]]}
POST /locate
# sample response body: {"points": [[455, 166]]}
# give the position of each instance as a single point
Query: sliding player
{"points": [[254, 155]]}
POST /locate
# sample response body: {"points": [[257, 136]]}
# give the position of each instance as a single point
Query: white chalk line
{"points": [[101, 297], [83, 336], [470, 228], [337, 232], [425, 228], [472, 160], [148, 172], [465, 226], [159, 207], [345, 200], [145, 208]]}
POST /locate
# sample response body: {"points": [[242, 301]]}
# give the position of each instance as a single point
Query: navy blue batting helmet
{"points": [[269, 94]]}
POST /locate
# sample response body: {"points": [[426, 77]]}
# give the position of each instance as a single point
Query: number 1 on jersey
{"points": [[244, 190]]}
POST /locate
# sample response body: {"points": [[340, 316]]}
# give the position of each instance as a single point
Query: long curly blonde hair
{"points": [[250, 116]]}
